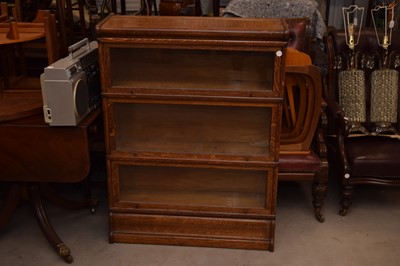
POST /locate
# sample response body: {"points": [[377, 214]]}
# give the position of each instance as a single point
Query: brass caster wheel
{"points": [[343, 212], [320, 217]]}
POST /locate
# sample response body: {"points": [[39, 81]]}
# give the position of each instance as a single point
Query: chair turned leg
{"points": [[345, 202], [319, 192], [50, 233]]}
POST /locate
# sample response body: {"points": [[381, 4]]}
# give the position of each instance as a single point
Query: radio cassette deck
{"points": [[71, 85]]}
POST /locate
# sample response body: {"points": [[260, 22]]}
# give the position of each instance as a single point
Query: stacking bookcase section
{"points": [[192, 109]]}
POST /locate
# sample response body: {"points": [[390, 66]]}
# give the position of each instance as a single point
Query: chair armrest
{"points": [[336, 115]]}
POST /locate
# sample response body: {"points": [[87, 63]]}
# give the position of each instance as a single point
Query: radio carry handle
{"points": [[77, 46]]}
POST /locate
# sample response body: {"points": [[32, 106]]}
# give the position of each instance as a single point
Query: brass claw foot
{"points": [[65, 253], [343, 212], [320, 217]]}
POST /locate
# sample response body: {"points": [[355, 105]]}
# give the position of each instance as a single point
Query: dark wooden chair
{"points": [[303, 155], [361, 158]]}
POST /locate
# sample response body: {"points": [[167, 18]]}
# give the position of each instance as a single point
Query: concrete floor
{"points": [[368, 235]]}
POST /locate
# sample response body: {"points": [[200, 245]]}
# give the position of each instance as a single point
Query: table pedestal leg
{"points": [[33, 193], [50, 233]]}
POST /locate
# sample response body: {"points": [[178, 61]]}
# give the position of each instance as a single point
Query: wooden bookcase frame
{"points": [[192, 111]]}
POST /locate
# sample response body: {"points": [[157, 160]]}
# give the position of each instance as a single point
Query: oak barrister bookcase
{"points": [[192, 109]]}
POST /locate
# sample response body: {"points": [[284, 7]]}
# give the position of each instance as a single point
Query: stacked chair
{"points": [[303, 155]]}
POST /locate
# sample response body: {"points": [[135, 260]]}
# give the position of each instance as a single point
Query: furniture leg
{"points": [[197, 8], [154, 3], [50, 233], [60, 9], [319, 192], [216, 4], [114, 6], [70, 20], [82, 20], [123, 7], [345, 202]]}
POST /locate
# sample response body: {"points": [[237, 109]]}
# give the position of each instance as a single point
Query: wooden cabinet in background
{"points": [[192, 109]]}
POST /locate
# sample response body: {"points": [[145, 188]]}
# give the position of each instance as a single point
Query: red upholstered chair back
{"points": [[299, 34]]}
